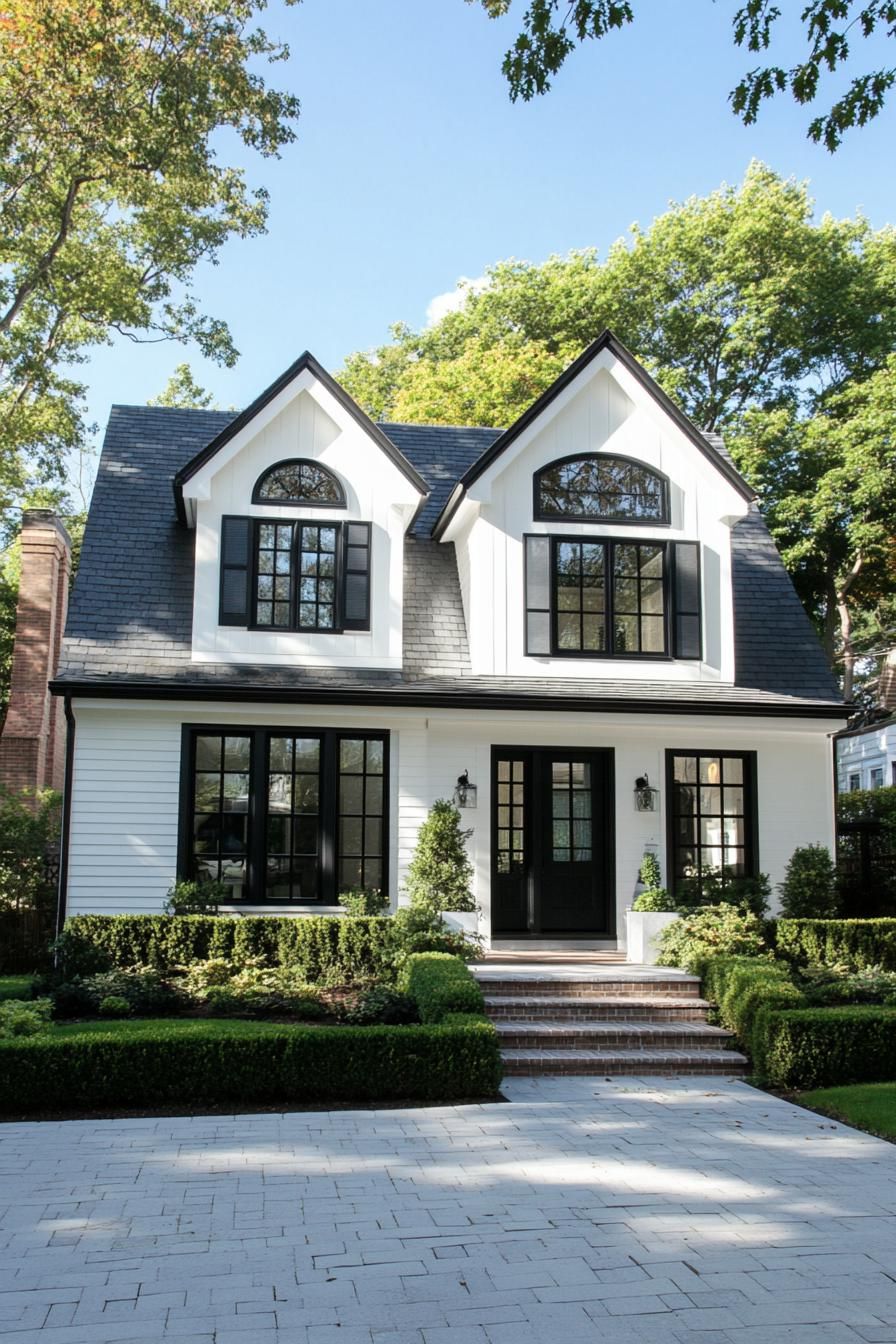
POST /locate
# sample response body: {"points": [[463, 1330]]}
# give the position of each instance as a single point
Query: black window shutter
{"points": [[236, 565], [686, 608], [538, 596], [356, 576]]}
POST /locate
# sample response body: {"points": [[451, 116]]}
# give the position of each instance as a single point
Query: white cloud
{"points": [[454, 299]]}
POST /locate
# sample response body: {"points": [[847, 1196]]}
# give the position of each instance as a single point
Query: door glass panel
{"points": [[292, 851], [510, 840], [571, 811], [220, 803]]}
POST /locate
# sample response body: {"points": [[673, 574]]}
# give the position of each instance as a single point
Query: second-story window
{"points": [[595, 485]]}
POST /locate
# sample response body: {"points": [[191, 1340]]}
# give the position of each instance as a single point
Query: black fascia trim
{"points": [[616, 520], [605, 341], [305, 361], [65, 830], [421, 699], [297, 502]]}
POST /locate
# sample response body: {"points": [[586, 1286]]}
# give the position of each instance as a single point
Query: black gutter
{"points": [[436, 699], [66, 814]]}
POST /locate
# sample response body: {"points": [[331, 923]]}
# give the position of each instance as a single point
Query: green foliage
{"points": [[20, 1018], [416, 928], [252, 990], [440, 984], [718, 930], [380, 1004], [654, 898], [114, 1006], [836, 985], [123, 1064], [877, 807], [720, 886], [16, 986], [365, 901], [440, 873], [183, 391], [745, 990], [142, 988], [650, 874], [871, 1106], [552, 29], [29, 831], [817, 1047], [195, 898], [852, 943], [809, 889]]}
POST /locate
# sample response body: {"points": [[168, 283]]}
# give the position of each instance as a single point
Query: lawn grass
{"points": [[206, 1027], [15, 986], [868, 1106]]}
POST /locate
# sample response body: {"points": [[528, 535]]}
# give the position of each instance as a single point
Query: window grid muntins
{"points": [[639, 621], [709, 806], [293, 818], [361, 811], [220, 813], [571, 811], [580, 585], [511, 843], [630, 618], [299, 482], [600, 487], [317, 578], [274, 579]]}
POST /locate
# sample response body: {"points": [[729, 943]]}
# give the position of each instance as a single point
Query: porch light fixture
{"points": [[464, 791], [645, 795]]}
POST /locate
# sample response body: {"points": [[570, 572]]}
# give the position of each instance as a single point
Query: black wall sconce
{"points": [[645, 795], [464, 791]]}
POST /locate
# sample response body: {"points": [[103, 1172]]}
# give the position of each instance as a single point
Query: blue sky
{"points": [[412, 168]]}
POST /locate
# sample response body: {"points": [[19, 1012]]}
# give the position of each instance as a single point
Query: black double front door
{"points": [[552, 852]]}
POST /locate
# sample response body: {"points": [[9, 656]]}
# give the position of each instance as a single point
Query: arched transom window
{"points": [[299, 481], [596, 486]]}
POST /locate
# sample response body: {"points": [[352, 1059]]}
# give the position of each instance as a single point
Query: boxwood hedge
{"points": [[820, 1047], [831, 942], [441, 984], [746, 990]]}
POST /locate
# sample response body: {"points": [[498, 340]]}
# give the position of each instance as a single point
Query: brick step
{"points": [[554, 1008], [606, 1063], [686, 1036], [523, 987]]}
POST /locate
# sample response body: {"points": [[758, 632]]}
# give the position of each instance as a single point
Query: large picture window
{"points": [[596, 486], [284, 816], [711, 815], [609, 597]]}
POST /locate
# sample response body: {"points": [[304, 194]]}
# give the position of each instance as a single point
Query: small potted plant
{"points": [[440, 874], [653, 909]]}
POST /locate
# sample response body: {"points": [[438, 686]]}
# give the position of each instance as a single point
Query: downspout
{"points": [[66, 813]]}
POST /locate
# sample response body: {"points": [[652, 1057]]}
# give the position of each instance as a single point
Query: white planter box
{"points": [[641, 930], [462, 921]]}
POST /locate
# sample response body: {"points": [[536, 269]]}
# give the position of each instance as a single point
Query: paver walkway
{"points": [[631, 1210]]}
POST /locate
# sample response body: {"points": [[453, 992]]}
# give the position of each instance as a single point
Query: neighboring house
{"points": [[294, 629], [866, 750]]}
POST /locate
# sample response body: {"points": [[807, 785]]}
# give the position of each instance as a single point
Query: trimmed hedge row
{"points": [[821, 1047], [829, 942], [441, 984], [352, 947], [791, 1045], [279, 1064]]}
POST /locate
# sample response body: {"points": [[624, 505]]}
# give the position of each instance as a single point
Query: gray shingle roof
{"points": [[129, 623]]}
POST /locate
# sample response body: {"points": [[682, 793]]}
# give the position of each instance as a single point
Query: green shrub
{"points": [[440, 874], [718, 886], [835, 985], [383, 1005], [29, 832], [196, 898], [717, 930], [72, 998], [141, 987], [821, 1047], [654, 898], [440, 984], [745, 990], [364, 901], [21, 1018], [114, 1006], [853, 943], [809, 889], [188, 1063], [416, 928]]}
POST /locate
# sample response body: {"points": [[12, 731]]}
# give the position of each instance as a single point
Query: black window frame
{"points": [[612, 519], [341, 624], [750, 813], [609, 651], [301, 501], [257, 814]]}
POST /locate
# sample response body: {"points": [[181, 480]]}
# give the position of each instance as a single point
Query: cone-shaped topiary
{"points": [[440, 873], [809, 889]]}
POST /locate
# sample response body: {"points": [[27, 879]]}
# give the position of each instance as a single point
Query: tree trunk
{"points": [[845, 615]]}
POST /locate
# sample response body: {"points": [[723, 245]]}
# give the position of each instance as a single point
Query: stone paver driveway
{"points": [[619, 1211]]}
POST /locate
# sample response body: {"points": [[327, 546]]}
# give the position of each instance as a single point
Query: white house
{"points": [[294, 629]]}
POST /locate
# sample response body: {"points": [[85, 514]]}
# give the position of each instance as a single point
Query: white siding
{"points": [[123, 849]]}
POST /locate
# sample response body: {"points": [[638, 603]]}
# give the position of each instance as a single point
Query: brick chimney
{"points": [[32, 743]]}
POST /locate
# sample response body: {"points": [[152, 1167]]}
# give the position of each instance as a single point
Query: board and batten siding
{"points": [[124, 824]]}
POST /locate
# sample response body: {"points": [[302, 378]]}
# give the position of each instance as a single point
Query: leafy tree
{"points": [[552, 29], [183, 391], [440, 873], [111, 191], [762, 323]]}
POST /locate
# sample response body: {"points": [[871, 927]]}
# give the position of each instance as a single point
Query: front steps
{"points": [[557, 1018]]}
